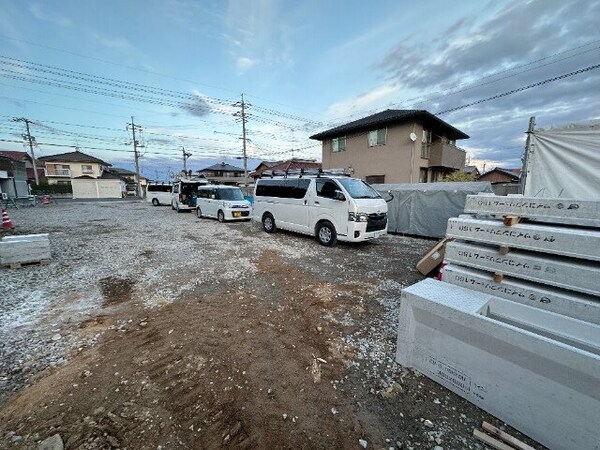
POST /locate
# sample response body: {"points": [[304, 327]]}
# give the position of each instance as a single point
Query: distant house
{"points": [[26, 158], [13, 178], [499, 175], [394, 146], [264, 165], [223, 174], [472, 170], [62, 168], [129, 177], [290, 164]]}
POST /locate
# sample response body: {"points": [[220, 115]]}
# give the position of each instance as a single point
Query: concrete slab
{"points": [[566, 273], [24, 249], [553, 210], [560, 301], [535, 370], [558, 240]]}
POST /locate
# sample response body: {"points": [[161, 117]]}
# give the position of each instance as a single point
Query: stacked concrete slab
{"points": [[515, 325], [24, 249]]}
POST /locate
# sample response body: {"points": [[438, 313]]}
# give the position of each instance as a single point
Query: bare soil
{"points": [[180, 333]]}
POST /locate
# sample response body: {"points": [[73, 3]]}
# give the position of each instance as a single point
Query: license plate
{"points": [[237, 214]]}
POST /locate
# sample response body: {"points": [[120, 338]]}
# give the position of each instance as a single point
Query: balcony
{"points": [[443, 154], [53, 172]]}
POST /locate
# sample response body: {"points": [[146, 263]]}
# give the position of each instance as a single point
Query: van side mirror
{"points": [[339, 195]]}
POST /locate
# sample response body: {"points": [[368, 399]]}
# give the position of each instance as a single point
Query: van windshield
{"points": [[358, 188], [230, 194]]}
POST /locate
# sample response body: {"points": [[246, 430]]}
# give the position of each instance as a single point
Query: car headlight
{"points": [[358, 217]]}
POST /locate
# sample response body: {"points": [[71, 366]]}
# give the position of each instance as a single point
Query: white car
{"points": [[159, 194], [223, 203], [329, 207]]}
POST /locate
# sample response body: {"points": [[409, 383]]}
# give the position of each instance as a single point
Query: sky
{"points": [[80, 70]]}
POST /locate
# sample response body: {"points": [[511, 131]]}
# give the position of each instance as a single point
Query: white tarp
{"points": [[564, 162]]}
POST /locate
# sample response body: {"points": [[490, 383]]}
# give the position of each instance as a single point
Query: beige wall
{"points": [[399, 159], [76, 168], [86, 188]]}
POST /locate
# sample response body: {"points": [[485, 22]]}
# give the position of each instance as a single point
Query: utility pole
{"points": [[185, 158], [242, 104], [525, 158], [30, 140], [136, 155]]}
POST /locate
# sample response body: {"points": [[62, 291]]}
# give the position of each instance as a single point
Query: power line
{"points": [[523, 88]]}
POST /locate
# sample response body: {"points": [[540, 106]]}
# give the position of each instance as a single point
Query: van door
{"points": [[324, 205], [175, 194], [212, 202]]}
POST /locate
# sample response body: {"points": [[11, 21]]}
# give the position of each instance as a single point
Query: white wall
{"points": [[96, 188]]}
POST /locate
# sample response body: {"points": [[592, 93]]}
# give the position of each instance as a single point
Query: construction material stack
{"points": [[514, 326], [24, 249]]}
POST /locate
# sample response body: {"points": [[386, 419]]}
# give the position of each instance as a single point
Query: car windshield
{"points": [[358, 188], [230, 194]]}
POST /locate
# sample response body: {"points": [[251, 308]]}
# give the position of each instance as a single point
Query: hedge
{"points": [[41, 189]]}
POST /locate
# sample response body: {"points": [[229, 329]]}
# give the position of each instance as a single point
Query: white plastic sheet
{"points": [[564, 162]]}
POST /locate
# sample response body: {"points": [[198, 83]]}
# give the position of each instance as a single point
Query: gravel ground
{"points": [[134, 290]]}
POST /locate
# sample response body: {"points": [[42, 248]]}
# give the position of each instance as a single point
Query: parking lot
{"points": [[152, 329]]}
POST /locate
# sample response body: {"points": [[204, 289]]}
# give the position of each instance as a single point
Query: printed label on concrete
{"points": [[574, 242], [535, 370], [560, 301], [555, 210], [567, 273]]}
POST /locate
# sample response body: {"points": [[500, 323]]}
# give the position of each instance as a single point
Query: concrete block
{"points": [[560, 301], [535, 370], [24, 249], [553, 210], [566, 273], [574, 242]]}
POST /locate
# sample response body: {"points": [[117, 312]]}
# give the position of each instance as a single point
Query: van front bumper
{"points": [[357, 232]]}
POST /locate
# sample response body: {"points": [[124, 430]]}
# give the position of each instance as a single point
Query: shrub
{"points": [[42, 189]]}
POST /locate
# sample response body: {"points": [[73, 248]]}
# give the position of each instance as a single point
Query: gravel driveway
{"points": [[152, 329]]}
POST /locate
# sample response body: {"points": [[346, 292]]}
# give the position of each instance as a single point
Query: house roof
{"points": [[290, 164], [224, 167], [17, 156], [512, 173], [393, 117], [122, 171], [75, 156], [106, 175], [471, 169]]}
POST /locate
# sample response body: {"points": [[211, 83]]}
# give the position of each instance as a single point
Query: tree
{"points": [[459, 175]]}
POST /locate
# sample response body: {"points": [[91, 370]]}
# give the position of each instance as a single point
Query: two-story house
{"points": [[394, 146], [223, 173], [62, 168]]}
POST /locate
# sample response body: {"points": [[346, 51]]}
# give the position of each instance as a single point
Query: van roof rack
{"points": [[304, 172]]}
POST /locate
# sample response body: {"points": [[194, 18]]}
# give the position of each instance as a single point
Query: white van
{"points": [[183, 197], [328, 207], [159, 194], [223, 203]]}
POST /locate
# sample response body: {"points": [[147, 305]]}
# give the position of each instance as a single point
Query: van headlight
{"points": [[358, 217]]}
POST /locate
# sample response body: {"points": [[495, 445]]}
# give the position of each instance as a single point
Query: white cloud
{"points": [[114, 43], [371, 99], [37, 11], [244, 63]]}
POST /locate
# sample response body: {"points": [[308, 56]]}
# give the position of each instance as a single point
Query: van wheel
{"points": [[220, 216], [269, 223], [326, 234], [155, 202], [199, 213]]}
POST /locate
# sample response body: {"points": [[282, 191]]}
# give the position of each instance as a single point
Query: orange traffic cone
{"points": [[45, 200], [6, 222]]}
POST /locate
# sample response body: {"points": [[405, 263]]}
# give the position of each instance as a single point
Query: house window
{"points": [[86, 169], [377, 137], [423, 175], [375, 179], [338, 144], [427, 137]]}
